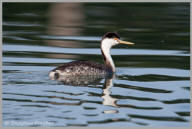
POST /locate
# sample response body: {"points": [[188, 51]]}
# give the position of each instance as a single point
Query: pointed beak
{"points": [[125, 42]]}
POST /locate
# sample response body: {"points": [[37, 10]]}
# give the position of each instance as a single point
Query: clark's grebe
{"points": [[88, 67]]}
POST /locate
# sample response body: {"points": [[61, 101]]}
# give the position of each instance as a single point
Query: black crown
{"points": [[111, 35]]}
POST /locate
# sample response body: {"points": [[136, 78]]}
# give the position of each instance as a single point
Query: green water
{"points": [[150, 88]]}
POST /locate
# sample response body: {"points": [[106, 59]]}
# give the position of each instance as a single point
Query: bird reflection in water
{"points": [[90, 81], [107, 99]]}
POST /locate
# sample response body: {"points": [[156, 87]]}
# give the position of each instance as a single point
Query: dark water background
{"points": [[152, 83]]}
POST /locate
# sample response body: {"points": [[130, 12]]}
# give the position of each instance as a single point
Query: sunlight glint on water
{"points": [[151, 86]]}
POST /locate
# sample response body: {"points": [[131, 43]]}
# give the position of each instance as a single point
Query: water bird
{"points": [[89, 67]]}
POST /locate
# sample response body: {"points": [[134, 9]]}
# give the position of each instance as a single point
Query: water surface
{"points": [[150, 88]]}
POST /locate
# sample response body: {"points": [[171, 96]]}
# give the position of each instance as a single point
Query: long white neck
{"points": [[105, 48]]}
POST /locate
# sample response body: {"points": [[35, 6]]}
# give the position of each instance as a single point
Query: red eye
{"points": [[116, 39]]}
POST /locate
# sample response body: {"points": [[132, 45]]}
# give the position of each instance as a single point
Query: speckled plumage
{"points": [[79, 68], [81, 80]]}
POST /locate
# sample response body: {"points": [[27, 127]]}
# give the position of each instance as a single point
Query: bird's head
{"points": [[110, 39]]}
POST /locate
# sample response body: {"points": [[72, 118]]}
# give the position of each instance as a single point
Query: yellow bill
{"points": [[125, 42]]}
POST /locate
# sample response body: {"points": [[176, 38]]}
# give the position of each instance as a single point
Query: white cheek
{"points": [[113, 42], [116, 42]]}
